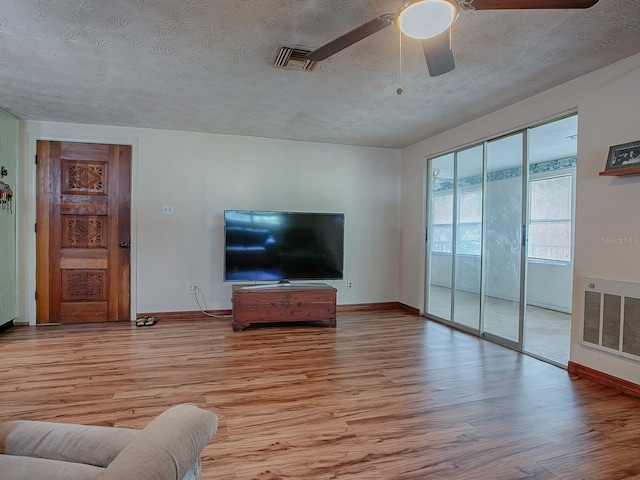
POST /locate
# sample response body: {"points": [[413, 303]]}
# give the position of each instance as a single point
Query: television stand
{"points": [[278, 303]]}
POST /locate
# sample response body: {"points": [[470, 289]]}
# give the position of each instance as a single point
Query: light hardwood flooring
{"points": [[385, 395]]}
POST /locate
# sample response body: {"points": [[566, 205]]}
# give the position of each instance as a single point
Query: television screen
{"points": [[280, 246]]}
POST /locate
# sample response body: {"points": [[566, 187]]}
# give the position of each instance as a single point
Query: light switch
{"points": [[168, 210]]}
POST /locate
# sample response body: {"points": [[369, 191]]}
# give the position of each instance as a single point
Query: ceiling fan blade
{"points": [[529, 4], [437, 51], [349, 38]]}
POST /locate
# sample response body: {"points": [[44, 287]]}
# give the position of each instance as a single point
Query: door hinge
{"points": [[35, 228], [36, 159], [35, 295]]}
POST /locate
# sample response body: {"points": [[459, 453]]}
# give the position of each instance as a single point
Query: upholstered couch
{"points": [[168, 448]]}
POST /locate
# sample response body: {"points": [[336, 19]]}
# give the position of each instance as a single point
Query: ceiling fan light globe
{"points": [[427, 18]]}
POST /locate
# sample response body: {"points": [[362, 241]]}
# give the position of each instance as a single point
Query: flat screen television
{"points": [[282, 246]]}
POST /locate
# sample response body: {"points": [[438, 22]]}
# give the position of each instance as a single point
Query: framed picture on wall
{"points": [[625, 155]]}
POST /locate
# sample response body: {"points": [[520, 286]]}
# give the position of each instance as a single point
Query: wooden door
{"points": [[83, 232]]}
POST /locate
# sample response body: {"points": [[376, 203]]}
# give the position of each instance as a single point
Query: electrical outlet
{"points": [[168, 210], [349, 285], [193, 288]]}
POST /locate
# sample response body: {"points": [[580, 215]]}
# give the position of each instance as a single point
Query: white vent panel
{"points": [[611, 318], [294, 59]]}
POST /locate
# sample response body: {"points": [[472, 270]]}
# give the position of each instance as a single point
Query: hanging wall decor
{"points": [[6, 197]]}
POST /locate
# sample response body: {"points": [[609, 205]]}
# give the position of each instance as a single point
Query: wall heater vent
{"points": [[611, 320]]}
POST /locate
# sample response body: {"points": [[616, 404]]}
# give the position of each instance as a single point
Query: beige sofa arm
{"points": [[167, 447], [83, 444]]}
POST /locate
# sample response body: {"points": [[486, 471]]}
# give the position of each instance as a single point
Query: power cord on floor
{"points": [[204, 310]]}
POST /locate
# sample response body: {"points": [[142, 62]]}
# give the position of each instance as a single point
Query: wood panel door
{"points": [[83, 204]]}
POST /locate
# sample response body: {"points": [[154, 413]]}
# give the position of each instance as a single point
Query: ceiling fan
{"points": [[430, 21]]}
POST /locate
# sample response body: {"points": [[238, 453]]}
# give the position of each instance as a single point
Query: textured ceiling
{"points": [[205, 65]]}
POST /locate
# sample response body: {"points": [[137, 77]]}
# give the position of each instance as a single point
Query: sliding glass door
{"points": [[468, 238], [440, 245], [503, 248], [455, 238], [499, 239], [552, 164]]}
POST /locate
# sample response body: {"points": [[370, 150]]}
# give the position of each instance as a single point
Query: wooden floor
{"points": [[385, 395]]}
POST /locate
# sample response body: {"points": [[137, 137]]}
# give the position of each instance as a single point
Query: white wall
{"points": [[608, 104], [9, 160], [550, 286], [607, 207], [204, 174]]}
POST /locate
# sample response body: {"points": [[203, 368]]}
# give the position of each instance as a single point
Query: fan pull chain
{"points": [[400, 90]]}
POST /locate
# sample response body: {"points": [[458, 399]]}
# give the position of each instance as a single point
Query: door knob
{"points": [[124, 245]]}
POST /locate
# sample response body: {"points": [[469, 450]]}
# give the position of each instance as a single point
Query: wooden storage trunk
{"points": [[283, 303]]}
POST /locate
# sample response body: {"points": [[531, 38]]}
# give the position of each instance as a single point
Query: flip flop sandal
{"points": [[141, 322], [150, 321]]}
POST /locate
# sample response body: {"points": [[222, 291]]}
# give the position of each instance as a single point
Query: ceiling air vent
{"points": [[294, 59]]}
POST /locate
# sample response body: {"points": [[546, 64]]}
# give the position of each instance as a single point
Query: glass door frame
{"points": [[522, 295], [454, 229], [518, 345], [480, 331]]}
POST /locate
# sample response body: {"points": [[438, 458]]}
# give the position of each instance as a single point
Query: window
{"points": [[550, 221], [469, 229], [442, 229], [550, 218]]}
